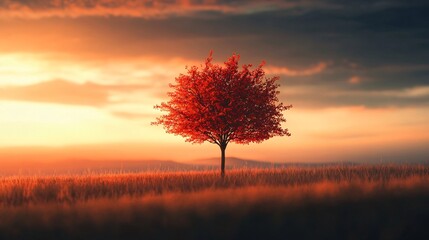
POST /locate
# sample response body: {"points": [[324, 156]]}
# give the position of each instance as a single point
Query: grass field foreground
{"points": [[355, 202]]}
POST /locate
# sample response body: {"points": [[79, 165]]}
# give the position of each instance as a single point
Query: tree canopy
{"points": [[222, 104]]}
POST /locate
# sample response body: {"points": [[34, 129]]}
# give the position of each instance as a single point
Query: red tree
{"points": [[222, 104]]}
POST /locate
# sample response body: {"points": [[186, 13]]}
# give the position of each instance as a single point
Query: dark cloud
{"points": [[383, 43], [402, 80], [325, 97], [370, 37]]}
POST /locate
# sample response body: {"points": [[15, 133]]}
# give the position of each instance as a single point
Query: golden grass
{"points": [[23, 190], [354, 202]]}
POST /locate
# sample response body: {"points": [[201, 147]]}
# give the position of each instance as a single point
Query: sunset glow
{"points": [[80, 81]]}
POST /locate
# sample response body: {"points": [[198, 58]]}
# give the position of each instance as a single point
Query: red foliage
{"points": [[222, 104]]}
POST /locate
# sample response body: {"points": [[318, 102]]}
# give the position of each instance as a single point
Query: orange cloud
{"points": [[65, 92], [354, 80], [143, 8], [77, 8], [320, 67]]}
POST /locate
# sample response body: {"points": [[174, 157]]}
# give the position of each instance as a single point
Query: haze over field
{"points": [[79, 79]]}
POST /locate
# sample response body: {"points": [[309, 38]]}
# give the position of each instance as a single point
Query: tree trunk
{"points": [[222, 163]]}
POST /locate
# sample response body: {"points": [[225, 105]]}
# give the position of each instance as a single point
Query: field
{"points": [[336, 202]]}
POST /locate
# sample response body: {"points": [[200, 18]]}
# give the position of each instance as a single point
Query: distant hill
{"points": [[88, 166], [233, 162], [29, 167]]}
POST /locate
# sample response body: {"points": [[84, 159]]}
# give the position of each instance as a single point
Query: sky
{"points": [[79, 78]]}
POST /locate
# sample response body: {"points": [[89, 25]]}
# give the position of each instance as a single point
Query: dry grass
{"points": [[359, 202], [71, 189]]}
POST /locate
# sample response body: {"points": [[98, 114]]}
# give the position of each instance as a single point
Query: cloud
{"points": [[318, 97], [164, 8], [320, 67], [354, 80], [144, 9], [66, 92], [277, 36]]}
